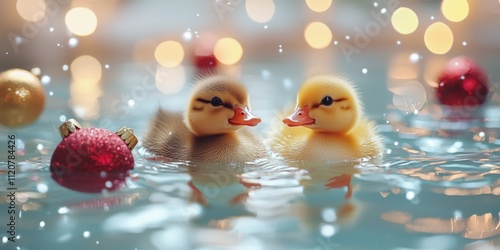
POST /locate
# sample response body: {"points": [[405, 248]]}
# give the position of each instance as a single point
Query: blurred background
{"points": [[124, 58]]}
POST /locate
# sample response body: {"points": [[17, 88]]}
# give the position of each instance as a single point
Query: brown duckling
{"points": [[214, 128]]}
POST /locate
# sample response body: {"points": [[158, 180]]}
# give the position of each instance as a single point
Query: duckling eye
{"points": [[216, 101], [327, 101]]}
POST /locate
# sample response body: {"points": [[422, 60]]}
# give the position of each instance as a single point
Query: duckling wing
{"points": [[252, 143], [168, 136], [368, 138], [241, 146]]}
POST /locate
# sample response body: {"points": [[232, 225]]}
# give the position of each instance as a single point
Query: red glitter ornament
{"points": [[462, 83], [92, 160]]}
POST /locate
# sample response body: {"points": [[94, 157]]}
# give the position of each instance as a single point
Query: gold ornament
{"points": [[21, 97], [127, 135], [68, 127]]}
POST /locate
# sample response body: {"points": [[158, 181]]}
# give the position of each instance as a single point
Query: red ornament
{"points": [[93, 159], [203, 52], [462, 83], [205, 61]]}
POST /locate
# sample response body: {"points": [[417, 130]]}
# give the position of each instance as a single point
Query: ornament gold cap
{"points": [[68, 127], [127, 135]]}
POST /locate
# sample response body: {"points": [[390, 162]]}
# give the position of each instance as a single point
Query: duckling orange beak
{"points": [[242, 116], [299, 118]]}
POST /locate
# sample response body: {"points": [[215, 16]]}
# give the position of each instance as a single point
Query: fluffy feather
{"points": [[202, 134], [329, 139]]}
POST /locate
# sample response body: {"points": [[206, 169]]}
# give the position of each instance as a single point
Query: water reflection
{"points": [[105, 203], [332, 206], [221, 191], [332, 181], [27, 200], [474, 227], [455, 190], [315, 200]]}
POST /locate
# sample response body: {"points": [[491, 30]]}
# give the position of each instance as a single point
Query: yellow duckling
{"points": [[328, 124], [212, 129]]}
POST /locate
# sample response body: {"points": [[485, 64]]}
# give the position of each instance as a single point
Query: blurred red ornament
{"points": [[205, 61], [462, 83], [93, 159], [203, 53]]}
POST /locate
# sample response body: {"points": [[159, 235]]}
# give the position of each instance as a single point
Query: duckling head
{"points": [[327, 103], [218, 105]]}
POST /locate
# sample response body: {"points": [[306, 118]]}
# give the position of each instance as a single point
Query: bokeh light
{"points": [[400, 68], [170, 80], [81, 21], [169, 53], [228, 51], [86, 69], [260, 11], [84, 99], [318, 35], [86, 72], [319, 5], [438, 38], [409, 96], [404, 20], [31, 10], [455, 10]]}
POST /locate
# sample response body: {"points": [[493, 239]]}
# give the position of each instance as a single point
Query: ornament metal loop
{"points": [[68, 127], [127, 135]]}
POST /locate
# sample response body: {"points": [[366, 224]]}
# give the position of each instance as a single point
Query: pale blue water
{"points": [[431, 190]]}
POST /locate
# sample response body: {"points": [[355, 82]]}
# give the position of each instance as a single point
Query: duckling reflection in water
{"points": [[328, 124], [221, 191], [302, 202], [330, 185], [214, 128]]}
